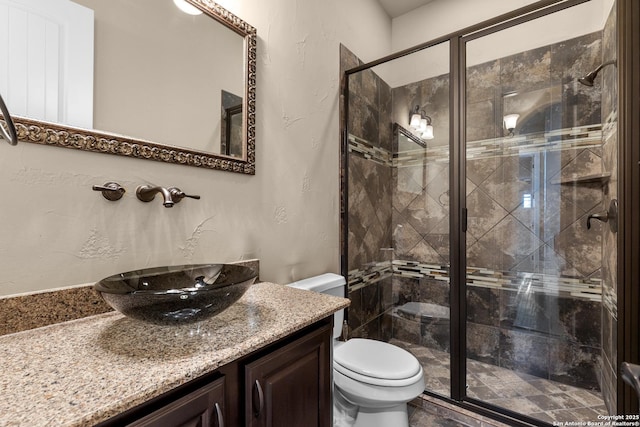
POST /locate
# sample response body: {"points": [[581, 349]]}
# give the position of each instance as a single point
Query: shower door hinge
{"points": [[464, 220]]}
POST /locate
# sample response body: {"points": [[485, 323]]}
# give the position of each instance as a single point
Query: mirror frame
{"points": [[58, 135]]}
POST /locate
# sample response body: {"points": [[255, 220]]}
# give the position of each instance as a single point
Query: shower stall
{"points": [[480, 210]]}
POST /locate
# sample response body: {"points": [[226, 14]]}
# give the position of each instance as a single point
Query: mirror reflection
{"points": [[140, 68]]}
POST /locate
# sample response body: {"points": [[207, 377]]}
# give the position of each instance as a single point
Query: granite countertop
{"points": [[85, 371]]}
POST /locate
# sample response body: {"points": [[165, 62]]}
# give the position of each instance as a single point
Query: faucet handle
{"points": [[178, 194], [111, 190]]}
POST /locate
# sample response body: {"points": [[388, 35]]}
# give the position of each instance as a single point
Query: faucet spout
{"points": [[147, 193]]}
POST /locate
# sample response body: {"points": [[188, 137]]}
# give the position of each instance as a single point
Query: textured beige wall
{"points": [[55, 231]]}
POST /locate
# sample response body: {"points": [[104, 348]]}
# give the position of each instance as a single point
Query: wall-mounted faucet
{"points": [[171, 195], [10, 133]]}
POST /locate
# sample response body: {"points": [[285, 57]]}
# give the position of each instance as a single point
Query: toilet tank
{"points": [[330, 284]]}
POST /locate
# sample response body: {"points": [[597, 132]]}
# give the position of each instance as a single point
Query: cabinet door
{"points": [[201, 408], [291, 386]]}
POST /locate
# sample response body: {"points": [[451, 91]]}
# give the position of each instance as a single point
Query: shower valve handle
{"points": [[604, 217], [610, 216]]}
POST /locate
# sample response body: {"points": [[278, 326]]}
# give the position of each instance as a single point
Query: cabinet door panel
{"points": [[201, 408], [291, 387]]}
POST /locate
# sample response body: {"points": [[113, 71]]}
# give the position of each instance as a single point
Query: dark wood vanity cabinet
{"points": [[291, 385], [203, 407], [286, 384]]}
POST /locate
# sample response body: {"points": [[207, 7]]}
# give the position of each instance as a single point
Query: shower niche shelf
{"points": [[600, 178]]}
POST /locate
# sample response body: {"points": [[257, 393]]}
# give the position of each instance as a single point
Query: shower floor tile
{"points": [[543, 399]]}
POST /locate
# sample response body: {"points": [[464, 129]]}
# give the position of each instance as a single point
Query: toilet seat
{"points": [[376, 363]]}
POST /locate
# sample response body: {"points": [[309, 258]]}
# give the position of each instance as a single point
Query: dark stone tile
{"points": [[505, 186], [573, 58], [581, 247], [580, 320], [386, 121], [546, 402], [581, 105], [480, 169], [524, 352], [526, 70], [424, 252], [481, 120], [406, 330], [424, 213], [432, 291], [421, 418], [482, 393], [405, 237], [404, 289], [369, 330], [574, 364], [483, 306], [369, 89], [408, 183], [504, 246], [438, 239], [386, 326], [483, 344], [386, 293], [370, 302], [355, 312], [435, 334], [484, 213], [363, 120], [347, 59], [483, 81]]}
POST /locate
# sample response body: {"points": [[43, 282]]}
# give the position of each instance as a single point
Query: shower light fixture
{"points": [[187, 8], [510, 121], [421, 123]]}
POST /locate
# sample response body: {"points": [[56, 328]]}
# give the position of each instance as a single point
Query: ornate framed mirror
{"points": [[135, 78]]}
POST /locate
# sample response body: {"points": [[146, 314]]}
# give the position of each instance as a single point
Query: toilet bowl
{"points": [[373, 380]]}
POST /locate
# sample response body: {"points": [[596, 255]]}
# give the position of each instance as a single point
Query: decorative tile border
{"points": [[590, 288], [372, 273], [365, 149], [561, 139]]}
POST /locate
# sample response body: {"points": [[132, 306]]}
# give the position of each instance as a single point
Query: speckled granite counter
{"points": [[81, 372]]}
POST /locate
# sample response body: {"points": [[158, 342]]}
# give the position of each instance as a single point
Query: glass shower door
{"points": [[540, 175]]}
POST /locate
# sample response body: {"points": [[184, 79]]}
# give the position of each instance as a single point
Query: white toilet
{"points": [[373, 380]]}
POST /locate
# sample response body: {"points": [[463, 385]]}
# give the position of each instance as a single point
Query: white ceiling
{"points": [[400, 7]]}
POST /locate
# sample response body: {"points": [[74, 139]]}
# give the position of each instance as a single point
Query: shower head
{"points": [[588, 79]]}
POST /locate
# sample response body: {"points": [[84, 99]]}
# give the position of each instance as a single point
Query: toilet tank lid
{"points": [[320, 283]]}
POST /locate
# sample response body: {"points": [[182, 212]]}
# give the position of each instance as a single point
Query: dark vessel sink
{"points": [[176, 294]]}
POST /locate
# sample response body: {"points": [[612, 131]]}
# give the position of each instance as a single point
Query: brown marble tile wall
{"points": [[369, 197], [432, 333], [608, 80], [553, 337], [545, 335]]}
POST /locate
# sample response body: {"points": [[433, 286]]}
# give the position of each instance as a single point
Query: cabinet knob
{"points": [[260, 399]]}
